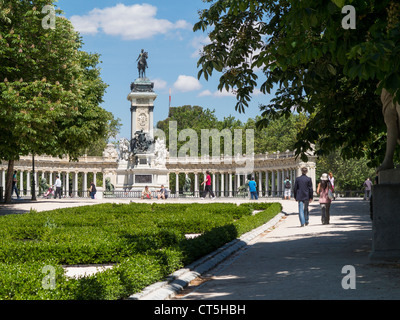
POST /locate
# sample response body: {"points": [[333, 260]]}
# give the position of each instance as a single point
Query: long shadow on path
{"points": [[306, 263]]}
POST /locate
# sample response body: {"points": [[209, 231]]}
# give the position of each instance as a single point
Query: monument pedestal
{"points": [[386, 218], [141, 171]]}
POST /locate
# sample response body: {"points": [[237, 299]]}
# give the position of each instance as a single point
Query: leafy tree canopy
{"points": [[279, 135], [333, 74], [50, 89]]}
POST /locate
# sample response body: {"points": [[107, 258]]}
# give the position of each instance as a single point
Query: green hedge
{"points": [[217, 237], [145, 241]]}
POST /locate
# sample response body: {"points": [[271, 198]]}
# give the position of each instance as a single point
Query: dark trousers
{"points": [[325, 212], [254, 194], [208, 189], [14, 187], [58, 191]]}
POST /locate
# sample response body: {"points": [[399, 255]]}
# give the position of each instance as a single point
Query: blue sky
{"points": [[118, 30]]}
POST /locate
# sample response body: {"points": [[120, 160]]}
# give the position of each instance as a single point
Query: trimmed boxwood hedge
{"points": [[146, 242]]}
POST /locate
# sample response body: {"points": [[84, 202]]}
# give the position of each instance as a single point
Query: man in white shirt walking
{"points": [[57, 184]]}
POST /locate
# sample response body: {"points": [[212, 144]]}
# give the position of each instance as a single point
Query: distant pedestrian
{"points": [[146, 193], [288, 188], [14, 185], [57, 185], [303, 193], [92, 190], [253, 189], [163, 193], [367, 189], [208, 188], [325, 202]]}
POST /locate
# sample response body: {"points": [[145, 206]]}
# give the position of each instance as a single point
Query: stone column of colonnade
{"points": [[270, 183], [25, 176]]}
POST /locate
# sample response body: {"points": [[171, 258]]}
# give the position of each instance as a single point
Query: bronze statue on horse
{"points": [[142, 64]]}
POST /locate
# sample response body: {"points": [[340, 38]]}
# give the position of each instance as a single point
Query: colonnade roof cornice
{"points": [[48, 163], [266, 162], [226, 164]]}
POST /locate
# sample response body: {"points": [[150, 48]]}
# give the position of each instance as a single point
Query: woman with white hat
{"points": [[325, 197]]}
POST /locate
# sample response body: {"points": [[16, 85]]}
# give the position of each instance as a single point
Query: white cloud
{"points": [[257, 92], [84, 25], [132, 22], [187, 83], [205, 93], [224, 93], [217, 94], [159, 84]]}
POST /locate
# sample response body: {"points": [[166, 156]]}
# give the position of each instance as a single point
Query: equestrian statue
{"points": [[142, 63]]}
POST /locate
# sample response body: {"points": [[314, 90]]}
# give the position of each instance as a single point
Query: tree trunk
{"points": [[9, 179]]}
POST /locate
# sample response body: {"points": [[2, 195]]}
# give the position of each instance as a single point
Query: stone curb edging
{"points": [[180, 279]]}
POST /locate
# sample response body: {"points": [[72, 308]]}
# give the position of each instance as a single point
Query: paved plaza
{"points": [[287, 261], [305, 263]]}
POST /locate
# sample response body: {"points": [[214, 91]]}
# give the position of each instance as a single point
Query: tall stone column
{"points": [[230, 185], [95, 178], [177, 184], [222, 185], [75, 187], [213, 183], [84, 185], [273, 193], [67, 184], [3, 179], [21, 183], [196, 184], [37, 182], [279, 182], [28, 182]]}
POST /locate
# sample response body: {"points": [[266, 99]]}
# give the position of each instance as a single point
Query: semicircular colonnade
{"points": [[228, 173]]}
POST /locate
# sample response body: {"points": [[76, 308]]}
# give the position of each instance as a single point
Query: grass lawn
{"points": [[145, 242]]}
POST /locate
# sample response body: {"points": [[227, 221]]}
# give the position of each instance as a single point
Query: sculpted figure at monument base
{"points": [[391, 113]]}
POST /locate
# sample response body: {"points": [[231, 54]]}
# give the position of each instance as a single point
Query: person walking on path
{"points": [[14, 185], [92, 190], [57, 185], [368, 187], [208, 186], [325, 202], [253, 189], [288, 188], [303, 193]]}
